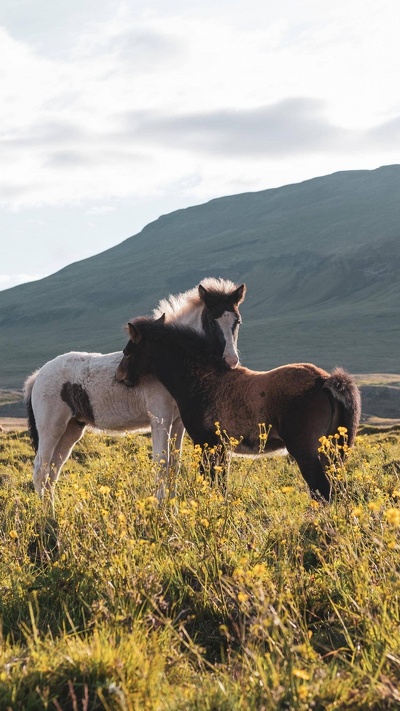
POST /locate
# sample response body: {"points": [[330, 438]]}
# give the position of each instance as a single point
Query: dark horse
{"points": [[300, 402]]}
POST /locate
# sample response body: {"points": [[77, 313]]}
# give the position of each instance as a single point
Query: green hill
{"points": [[320, 260]]}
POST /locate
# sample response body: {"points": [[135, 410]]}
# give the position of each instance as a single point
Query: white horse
{"points": [[79, 389]]}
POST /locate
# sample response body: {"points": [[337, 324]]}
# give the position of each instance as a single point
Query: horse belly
{"points": [[120, 409]]}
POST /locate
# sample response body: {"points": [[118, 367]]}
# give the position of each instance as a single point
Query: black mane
{"points": [[195, 345]]}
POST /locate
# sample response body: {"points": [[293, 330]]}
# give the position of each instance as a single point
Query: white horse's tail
{"points": [[28, 385]]}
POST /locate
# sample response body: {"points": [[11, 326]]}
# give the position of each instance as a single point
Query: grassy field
{"points": [[259, 599]]}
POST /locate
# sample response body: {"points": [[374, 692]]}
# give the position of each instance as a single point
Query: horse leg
{"points": [[307, 421], [62, 451], [52, 416], [174, 452], [313, 472], [48, 441], [177, 432], [160, 436]]}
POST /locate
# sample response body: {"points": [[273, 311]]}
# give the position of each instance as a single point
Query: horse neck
{"points": [[172, 368]]}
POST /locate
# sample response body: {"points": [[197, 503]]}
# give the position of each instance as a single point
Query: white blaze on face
{"points": [[227, 322]]}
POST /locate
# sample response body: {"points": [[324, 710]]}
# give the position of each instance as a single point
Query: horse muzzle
{"points": [[232, 361], [121, 375]]}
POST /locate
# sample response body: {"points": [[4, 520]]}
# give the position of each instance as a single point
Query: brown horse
{"points": [[299, 402]]}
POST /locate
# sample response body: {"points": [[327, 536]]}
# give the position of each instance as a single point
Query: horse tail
{"points": [[28, 385], [342, 387]]}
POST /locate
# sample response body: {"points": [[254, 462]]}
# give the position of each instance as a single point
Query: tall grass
{"points": [[256, 599]]}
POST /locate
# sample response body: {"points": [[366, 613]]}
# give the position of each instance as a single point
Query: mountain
{"points": [[320, 259]]}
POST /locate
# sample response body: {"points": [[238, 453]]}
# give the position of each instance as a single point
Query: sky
{"points": [[114, 113]]}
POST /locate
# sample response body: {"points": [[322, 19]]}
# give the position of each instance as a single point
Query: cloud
{"points": [[44, 133], [140, 100], [387, 133], [66, 160], [294, 125]]}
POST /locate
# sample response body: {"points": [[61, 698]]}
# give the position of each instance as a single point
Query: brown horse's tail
{"points": [[344, 390], [28, 385]]}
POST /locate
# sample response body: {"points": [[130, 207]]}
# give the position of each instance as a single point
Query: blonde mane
{"points": [[177, 306]]}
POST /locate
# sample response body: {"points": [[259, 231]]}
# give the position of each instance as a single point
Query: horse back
{"points": [[244, 398]]}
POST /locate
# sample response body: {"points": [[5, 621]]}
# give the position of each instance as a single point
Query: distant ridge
{"points": [[320, 259]]}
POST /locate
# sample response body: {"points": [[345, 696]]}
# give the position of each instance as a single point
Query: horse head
{"points": [[221, 318], [134, 363]]}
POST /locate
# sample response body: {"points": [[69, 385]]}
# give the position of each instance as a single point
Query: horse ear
{"points": [[134, 333], [160, 320], [202, 292], [239, 294]]}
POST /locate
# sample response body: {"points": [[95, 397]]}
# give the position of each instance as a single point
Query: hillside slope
{"points": [[320, 260]]}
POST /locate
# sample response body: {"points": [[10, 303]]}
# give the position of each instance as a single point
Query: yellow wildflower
{"points": [[233, 442], [104, 490], [301, 674], [242, 597], [373, 506], [13, 534], [302, 692], [259, 569], [393, 516]]}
